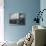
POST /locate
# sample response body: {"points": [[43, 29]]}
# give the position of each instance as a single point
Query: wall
{"points": [[29, 7], [43, 6]]}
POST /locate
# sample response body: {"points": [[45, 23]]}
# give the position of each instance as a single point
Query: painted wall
{"points": [[29, 7], [43, 6]]}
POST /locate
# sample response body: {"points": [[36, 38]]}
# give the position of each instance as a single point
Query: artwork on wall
{"points": [[17, 18], [40, 16]]}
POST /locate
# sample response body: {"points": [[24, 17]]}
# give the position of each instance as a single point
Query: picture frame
{"points": [[17, 18]]}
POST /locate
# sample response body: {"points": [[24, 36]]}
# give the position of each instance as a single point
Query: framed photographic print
{"points": [[17, 18]]}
